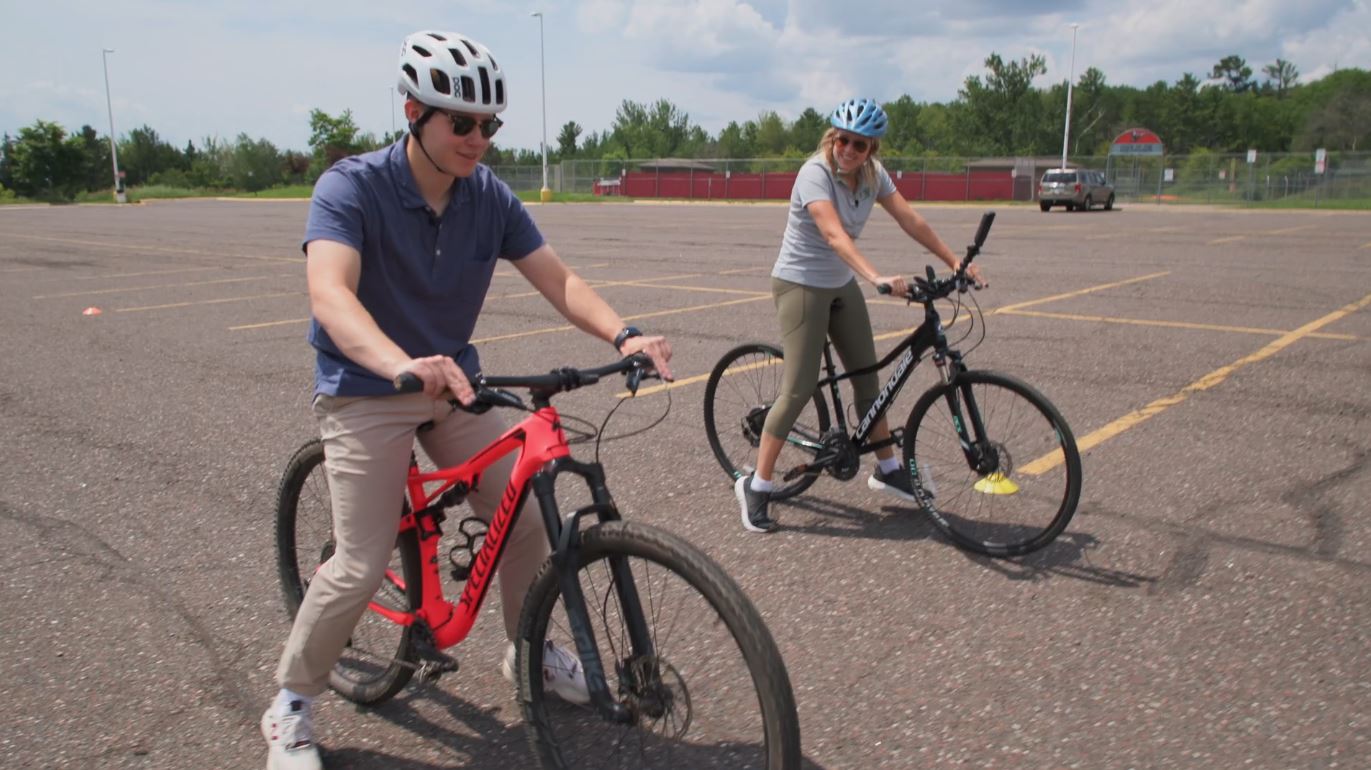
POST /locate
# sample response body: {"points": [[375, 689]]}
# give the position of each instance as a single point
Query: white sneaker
{"points": [[290, 740], [562, 673]]}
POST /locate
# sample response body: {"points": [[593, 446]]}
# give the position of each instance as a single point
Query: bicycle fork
{"points": [[566, 558], [980, 454]]}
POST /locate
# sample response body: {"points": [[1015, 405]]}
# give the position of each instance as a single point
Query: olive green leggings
{"points": [[808, 315]]}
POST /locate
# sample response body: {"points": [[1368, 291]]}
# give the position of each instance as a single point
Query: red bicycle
{"points": [[681, 669]]}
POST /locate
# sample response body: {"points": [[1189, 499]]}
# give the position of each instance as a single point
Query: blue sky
{"points": [[212, 68]]}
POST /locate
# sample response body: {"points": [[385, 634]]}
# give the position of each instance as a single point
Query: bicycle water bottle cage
{"points": [[470, 536]]}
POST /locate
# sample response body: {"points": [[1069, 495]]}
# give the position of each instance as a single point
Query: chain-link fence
{"points": [[1202, 177]]}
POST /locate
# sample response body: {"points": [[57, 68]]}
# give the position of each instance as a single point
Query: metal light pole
{"points": [[1066, 133], [119, 196], [546, 194]]}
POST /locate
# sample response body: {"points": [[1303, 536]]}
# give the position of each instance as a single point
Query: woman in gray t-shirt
{"points": [[817, 295]]}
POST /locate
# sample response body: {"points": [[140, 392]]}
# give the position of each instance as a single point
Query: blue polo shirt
{"points": [[424, 276]]}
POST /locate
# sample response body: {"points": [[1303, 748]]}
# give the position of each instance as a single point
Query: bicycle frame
{"points": [[928, 336], [543, 455]]}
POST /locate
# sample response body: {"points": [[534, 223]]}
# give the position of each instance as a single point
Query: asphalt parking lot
{"points": [[1209, 606]]}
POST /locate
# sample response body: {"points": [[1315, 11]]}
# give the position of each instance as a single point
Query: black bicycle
{"points": [[992, 462]]}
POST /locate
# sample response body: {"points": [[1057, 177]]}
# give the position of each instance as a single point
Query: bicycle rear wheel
{"points": [[741, 389], [714, 693], [1016, 488], [379, 658]]}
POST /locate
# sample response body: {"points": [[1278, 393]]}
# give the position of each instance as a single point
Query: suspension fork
{"points": [[972, 437], [565, 535]]}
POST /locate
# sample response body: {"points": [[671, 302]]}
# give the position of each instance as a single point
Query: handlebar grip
{"points": [[407, 382], [986, 220], [882, 288]]}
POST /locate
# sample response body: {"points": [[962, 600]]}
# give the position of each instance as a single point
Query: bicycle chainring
{"points": [[840, 455]]}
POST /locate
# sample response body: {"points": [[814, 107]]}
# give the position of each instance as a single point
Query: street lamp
{"points": [[119, 196], [1066, 133], [546, 194]]}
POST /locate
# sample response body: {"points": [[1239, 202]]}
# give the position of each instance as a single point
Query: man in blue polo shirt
{"points": [[401, 246]]}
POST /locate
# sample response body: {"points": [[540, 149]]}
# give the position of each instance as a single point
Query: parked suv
{"points": [[1074, 189]]}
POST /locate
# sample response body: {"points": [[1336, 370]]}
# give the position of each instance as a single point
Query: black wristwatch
{"points": [[624, 335]]}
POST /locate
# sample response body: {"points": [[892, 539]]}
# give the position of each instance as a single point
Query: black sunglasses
{"points": [[462, 125], [860, 145]]}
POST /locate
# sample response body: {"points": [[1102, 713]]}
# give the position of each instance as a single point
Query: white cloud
{"points": [[217, 68]]}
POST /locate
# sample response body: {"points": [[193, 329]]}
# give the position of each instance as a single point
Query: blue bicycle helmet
{"points": [[861, 116]]}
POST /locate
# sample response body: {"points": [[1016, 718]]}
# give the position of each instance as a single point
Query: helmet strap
{"points": [[414, 129]]}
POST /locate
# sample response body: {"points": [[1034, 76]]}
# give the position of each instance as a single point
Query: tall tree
{"points": [[143, 153], [566, 140], [46, 165], [1004, 115], [807, 130], [1233, 74], [332, 139], [256, 164], [1281, 76]]}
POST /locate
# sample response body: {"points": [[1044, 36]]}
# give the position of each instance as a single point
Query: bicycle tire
{"points": [[380, 657], [734, 413], [693, 663], [1029, 497]]}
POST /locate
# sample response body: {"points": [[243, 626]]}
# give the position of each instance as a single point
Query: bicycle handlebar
{"points": [[931, 288], [565, 379]]}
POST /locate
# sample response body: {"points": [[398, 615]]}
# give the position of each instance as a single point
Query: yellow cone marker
{"points": [[996, 484]]}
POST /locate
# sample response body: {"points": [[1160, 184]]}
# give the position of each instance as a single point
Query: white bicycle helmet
{"points": [[451, 71], [861, 116]]}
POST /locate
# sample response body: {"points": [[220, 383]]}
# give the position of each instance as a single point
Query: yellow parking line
{"points": [[1079, 292], [601, 285], [266, 324], [1051, 460], [1289, 230], [900, 333], [139, 274], [711, 289], [142, 247], [19, 269], [1173, 324], [654, 314], [1229, 239], [208, 302], [160, 286]]}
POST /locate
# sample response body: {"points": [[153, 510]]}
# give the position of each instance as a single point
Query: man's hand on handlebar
{"points": [[440, 374], [655, 348]]}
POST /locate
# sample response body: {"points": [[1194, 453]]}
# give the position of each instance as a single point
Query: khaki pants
{"points": [[809, 315], [367, 444]]}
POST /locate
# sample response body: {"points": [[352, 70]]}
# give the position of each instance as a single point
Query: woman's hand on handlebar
{"points": [[974, 273], [655, 348], [899, 285], [441, 374]]}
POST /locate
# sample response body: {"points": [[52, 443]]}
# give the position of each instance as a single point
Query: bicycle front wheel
{"points": [[379, 658], [712, 693], [741, 390], [993, 463]]}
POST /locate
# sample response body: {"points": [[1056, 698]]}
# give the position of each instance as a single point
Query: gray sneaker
{"points": [[754, 506], [896, 483]]}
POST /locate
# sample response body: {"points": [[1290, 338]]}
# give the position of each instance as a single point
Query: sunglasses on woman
{"points": [[463, 124], [860, 145]]}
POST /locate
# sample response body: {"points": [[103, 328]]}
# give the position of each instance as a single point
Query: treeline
{"points": [[999, 113]]}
